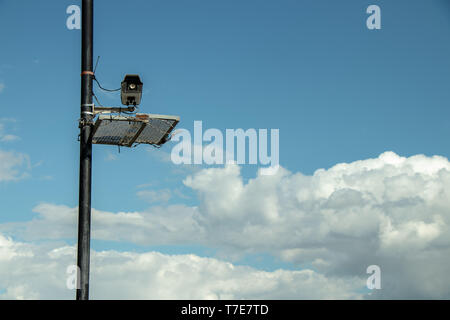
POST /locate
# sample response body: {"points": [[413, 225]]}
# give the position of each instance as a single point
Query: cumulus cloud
{"points": [[40, 272], [152, 196], [389, 211], [13, 165], [173, 224]]}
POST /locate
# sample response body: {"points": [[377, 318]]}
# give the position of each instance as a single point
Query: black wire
{"points": [[95, 68], [126, 112], [95, 79], [100, 86]]}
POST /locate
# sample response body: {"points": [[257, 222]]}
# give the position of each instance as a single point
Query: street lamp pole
{"points": [[84, 204], [141, 128]]}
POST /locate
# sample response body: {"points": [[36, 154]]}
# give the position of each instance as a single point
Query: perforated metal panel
{"points": [[125, 131], [157, 129]]}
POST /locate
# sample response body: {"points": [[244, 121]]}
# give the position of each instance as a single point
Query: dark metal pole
{"points": [[84, 204]]}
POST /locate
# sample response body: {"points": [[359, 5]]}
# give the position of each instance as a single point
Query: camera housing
{"points": [[131, 90]]}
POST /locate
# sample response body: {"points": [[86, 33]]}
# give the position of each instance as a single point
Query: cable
{"points": [[96, 63], [100, 86], [98, 83], [94, 78]]}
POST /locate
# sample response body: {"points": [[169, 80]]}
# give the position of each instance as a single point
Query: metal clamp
{"points": [[85, 122], [91, 105], [88, 105]]}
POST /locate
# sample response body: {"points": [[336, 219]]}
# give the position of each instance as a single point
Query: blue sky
{"points": [[337, 92]]}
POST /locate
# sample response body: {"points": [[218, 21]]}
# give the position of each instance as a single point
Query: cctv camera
{"points": [[131, 90]]}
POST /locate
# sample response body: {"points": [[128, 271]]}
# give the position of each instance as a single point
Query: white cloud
{"points": [[152, 196], [2, 87], [9, 138], [6, 137], [159, 225], [39, 272], [13, 165], [390, 211]]}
